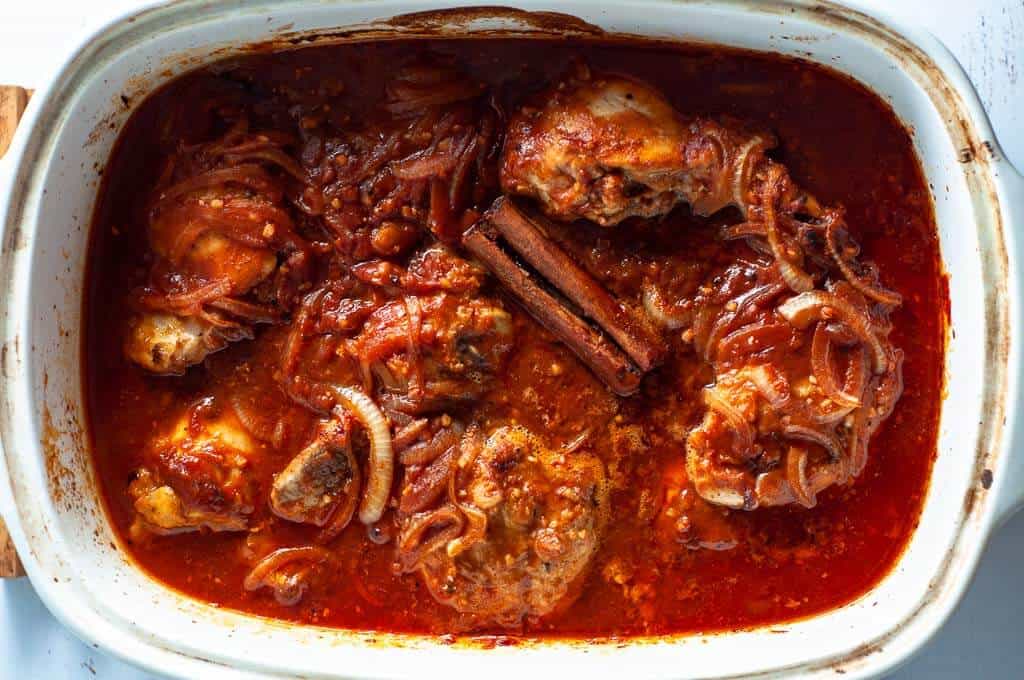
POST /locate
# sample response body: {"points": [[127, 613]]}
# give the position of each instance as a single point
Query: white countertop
{"points": [[984, 638]]}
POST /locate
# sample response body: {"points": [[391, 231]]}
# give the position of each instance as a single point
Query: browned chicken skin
{"points": [[605, 148], [195, 476], [419, 338], [519, 533], [322, 481], [167, 344], [432, 350], [218, 229]]}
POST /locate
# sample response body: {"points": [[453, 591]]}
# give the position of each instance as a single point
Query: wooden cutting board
{"points": [[12, 104]]}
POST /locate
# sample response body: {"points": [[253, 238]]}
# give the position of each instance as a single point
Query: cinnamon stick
{"points": [[525, 233], [601, 355]]}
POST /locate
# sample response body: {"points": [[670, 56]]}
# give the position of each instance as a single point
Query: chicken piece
{"points": [[430, 351], [519, 541], [321, 483], [800, 387], [722, 452], [437, 268], [194, 476], [217, 258], [738, 456], [226, 253], [688, 519], [605, 148], [167, 344]]}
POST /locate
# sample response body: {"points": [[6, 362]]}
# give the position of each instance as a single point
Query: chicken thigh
{"points": [[227, 256], [520, 533], [605, 148], [194, 476]]}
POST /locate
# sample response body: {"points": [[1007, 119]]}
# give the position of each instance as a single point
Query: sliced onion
{"points": [[824, 476], [742, 230], [381, 472], [426, 532], [408, 433], [744, 304], [865, 287], [342, 512], [414, 326], [770, 384], [475, 532], [878, 404], [825, 439], [733, 418], [258, 577], [259, 423], [250, 176], [468, 152], [795, 481], [748, 231], [841, 335], [246, 311], [771, 488], [469, 448], [424, 165], [890, 388], [656, 308], [407, 99], [795, 277], [439, 214], [381, 153], [702, 321], [716, 483], [857, 440], [829, 417], [754, 337], [856, 379], [186, 303], [722, 326], [796, 475], [269, 154], [755, 235], [387, 378], [428, 485], [800, 310], [425, 452], [744, 163], [301, 326], [821, 364]]}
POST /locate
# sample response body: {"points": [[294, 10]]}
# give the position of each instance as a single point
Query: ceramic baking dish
{"points": [[48, 184]]}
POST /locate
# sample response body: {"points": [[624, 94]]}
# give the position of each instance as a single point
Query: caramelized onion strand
{"points": [[381, 463]]}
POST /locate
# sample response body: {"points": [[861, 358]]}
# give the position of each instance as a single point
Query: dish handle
{"points": [[1011, 495], [13, 101]]}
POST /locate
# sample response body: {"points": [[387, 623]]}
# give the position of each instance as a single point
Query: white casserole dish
{"points": [[48, 497]]}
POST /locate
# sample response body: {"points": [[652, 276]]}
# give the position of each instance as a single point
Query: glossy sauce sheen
{"points": [[837, 139]]}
